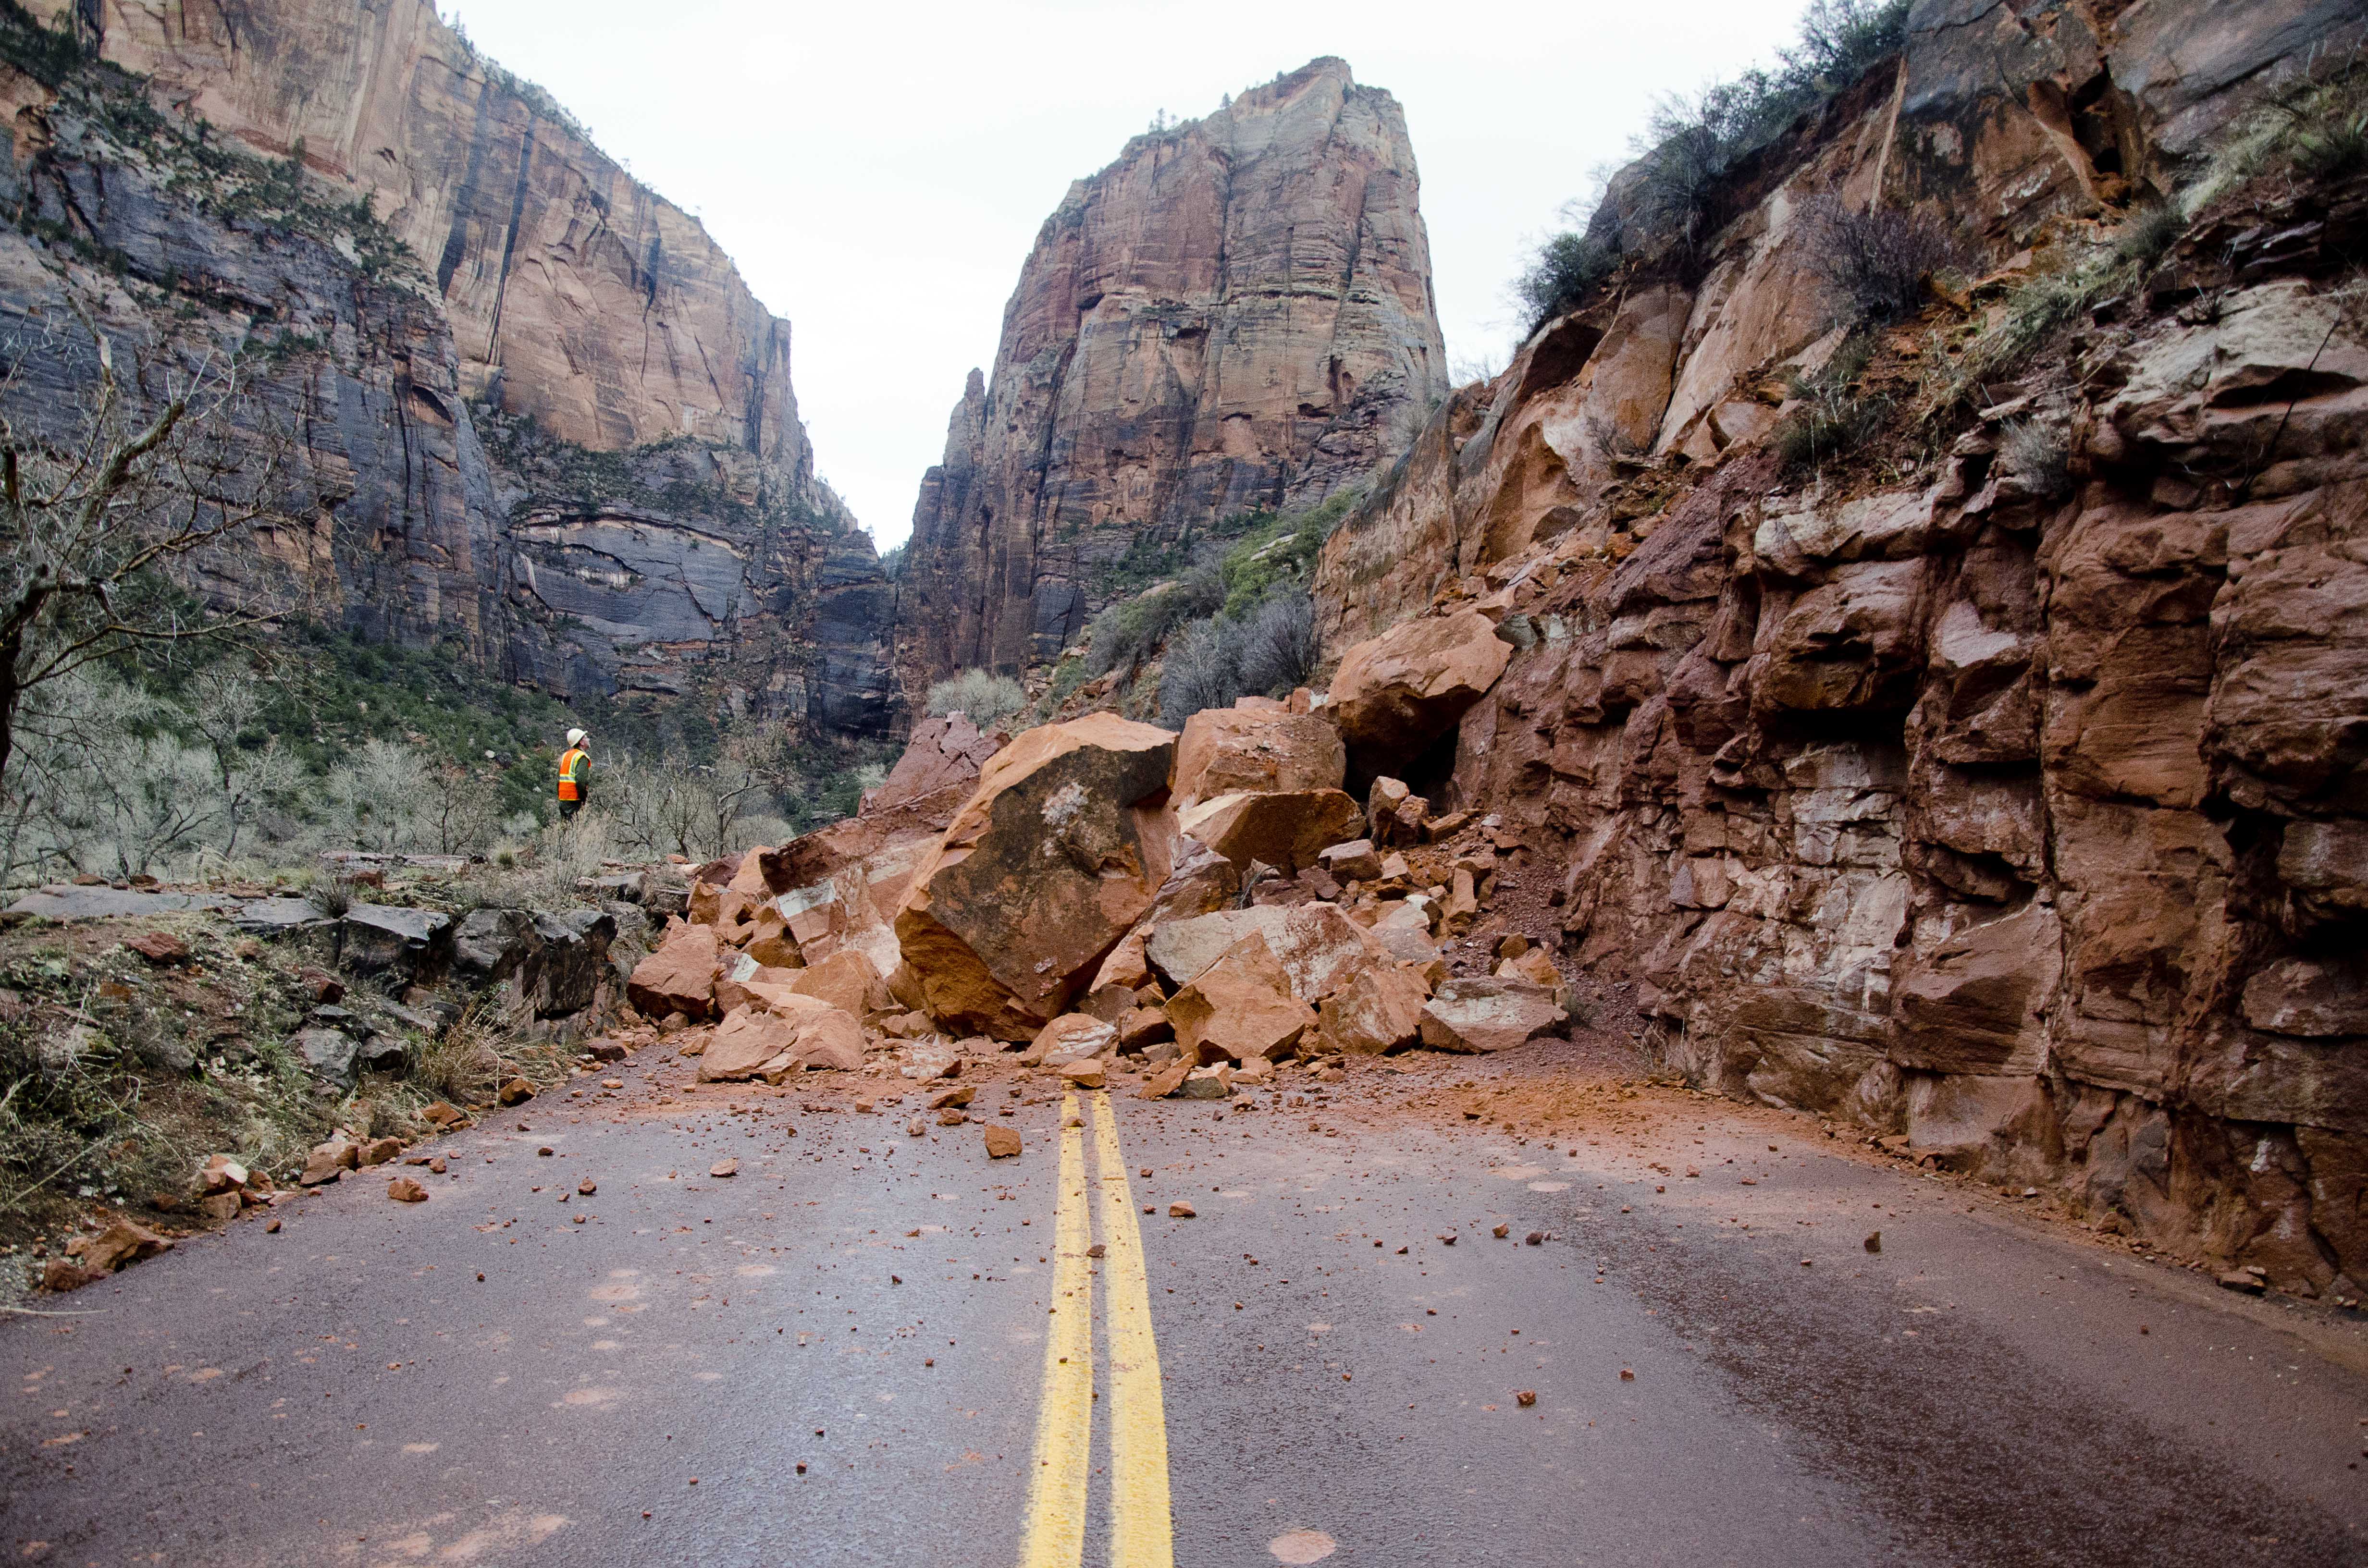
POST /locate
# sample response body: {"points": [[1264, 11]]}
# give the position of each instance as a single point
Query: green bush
{"points": [[1567, 268], [1692, 143]]}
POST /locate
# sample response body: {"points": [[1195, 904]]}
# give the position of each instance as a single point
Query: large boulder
{"points": [[1319, 947], [1227, 751], [936, 775], [1396, 693], [1378, 1009], [1289, 829], [1240, 1006], [848, 979], [778, 1034], [679, 977], [1481, 1015], [573, 954], [1072, 1037], [1058, 853], [1202, 880]]}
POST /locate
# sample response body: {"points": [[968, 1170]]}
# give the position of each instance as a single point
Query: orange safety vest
{"points": [[568, 791]]}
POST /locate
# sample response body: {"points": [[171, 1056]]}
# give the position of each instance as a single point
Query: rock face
{"points": [[1057, 854], [2018, 812], [545, 421], [1235, 314]]}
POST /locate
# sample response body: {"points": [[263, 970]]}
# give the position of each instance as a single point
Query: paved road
{"points": [[852, 1352]]}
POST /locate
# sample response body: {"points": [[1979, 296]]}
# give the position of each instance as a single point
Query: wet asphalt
{"points": [[1723, 1373]]}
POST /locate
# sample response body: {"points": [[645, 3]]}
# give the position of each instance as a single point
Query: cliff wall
{"points": [[550, 425], [1234, 315], [1988, 776]]}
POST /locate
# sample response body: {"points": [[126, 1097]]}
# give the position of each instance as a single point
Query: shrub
{"points": [[1566, 268], [1200, 671], [1126, 634], [1278, 646], [1691, 143], [2039, 456], [1874, 264], [2149, 233], [1833, 418], [1843, 40], [2315, 126], [987, 697]]}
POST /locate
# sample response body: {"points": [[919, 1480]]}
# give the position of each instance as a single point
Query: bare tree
{"points": [[145, 475]]}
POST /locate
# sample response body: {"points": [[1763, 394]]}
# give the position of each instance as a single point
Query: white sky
{"points": [[880, 171]]}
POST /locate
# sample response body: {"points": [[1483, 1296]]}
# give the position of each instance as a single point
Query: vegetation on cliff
{"points": [[1691, 144]]}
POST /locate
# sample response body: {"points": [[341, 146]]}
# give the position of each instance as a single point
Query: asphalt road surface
{"points": [[868, 1347]]}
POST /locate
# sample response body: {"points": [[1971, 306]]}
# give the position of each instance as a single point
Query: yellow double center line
{"points": [[1141, 1532]]}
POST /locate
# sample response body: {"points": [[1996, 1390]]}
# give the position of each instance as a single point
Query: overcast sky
{"points": [[879, 171]]}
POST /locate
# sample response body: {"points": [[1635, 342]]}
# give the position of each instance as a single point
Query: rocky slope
{"points": [[546, 420], [1995, 785], [1234, 315]]}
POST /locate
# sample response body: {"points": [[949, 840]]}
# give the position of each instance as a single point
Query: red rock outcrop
{"points": [[1235, 314], [2010, 802]]}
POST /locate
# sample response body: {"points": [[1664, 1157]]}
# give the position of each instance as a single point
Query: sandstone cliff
{"points": [[1234, 315], [550, 424], [1994, 783]]}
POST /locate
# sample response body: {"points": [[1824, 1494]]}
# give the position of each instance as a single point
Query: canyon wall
{"points": [[1234, 315], [1995, 785], [551, 425]]}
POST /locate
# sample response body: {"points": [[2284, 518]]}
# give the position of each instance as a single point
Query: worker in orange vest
{"points": [[575, 774]]}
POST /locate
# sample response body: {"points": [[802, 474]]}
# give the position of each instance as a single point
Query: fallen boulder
{"points": [[1072, 1037], [1057, 854], [1318, 946], [679, 977], [1488, 1015], [1396, 693], [1240, 1006], [848, 979], [1378, 1009], [1288, 831], [779, 1033], [1201, 882], [1226, 751]]}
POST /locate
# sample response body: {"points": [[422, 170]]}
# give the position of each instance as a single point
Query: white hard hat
{"points": [[577, 737]]}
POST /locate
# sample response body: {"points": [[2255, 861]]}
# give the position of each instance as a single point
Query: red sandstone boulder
{"points": [[1227, 751], [679, 977], [1056, 854], [1240, 1006], [1319, 947], [847, 979], [1378, 1009], [1288, 831], [779, 1033], [1396, 693], [1487, 1014]]}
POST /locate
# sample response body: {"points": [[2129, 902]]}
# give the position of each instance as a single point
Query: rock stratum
{"points": [[2001, 796], [1234, 315], [548, 424]]}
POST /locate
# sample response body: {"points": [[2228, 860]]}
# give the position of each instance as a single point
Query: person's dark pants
{"points": [[567, 810]]}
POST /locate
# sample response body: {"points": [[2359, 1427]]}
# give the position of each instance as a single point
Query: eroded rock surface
{"points": [[1235, 314]]}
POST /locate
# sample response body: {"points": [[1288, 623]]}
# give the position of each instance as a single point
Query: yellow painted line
{"points": [[1055, 1531], [1142, 1529]]}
